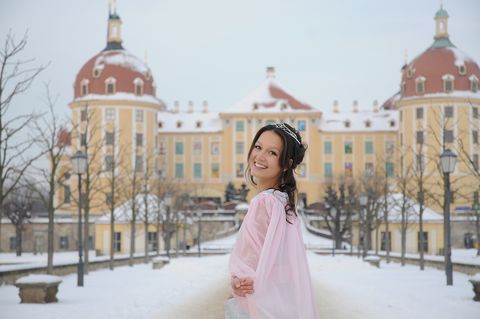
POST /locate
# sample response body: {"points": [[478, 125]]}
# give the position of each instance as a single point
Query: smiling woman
{"points": [[270, 277]]}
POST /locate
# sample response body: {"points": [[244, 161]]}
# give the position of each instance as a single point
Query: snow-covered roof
{"points": [[183, 122], [413, 209], [462, 94], [269, 97], [360, 121], [123, 213], [121, 96], [121, 58]]}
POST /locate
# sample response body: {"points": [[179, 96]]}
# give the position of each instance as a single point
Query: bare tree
{"points": [[16, 76], [53, 140], [146, 185], [18, 208]]}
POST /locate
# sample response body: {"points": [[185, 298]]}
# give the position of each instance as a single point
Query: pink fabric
{"points": [[272, 253]]}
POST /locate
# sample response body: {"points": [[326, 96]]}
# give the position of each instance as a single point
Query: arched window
{"points": [[138, 85], [420, 85], [110, 86], [448, 83], [84, 87], [473, 83], [462, 69]]}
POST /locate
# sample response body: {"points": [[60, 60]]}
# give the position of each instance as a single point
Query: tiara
{"points": [[284, 128]]}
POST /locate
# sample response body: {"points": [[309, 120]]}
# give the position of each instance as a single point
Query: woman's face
{"points": [[265, 159]]}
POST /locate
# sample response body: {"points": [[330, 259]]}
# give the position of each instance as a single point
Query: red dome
{"points": [[125, 68], [434, 65]]}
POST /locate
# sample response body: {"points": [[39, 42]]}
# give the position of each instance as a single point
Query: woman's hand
{"points": [[242, 287]]}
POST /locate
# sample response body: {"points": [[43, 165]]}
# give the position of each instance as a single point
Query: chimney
{"points": [[190, 107], [355, 106], [335, 106], [205, 107], [176, 107], [375, 105], [270, 72]]}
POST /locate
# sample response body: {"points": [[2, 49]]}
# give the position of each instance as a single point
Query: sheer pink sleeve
{"points": [[271, 252]]}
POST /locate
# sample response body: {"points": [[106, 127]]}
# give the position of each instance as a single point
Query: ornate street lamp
{"points": [[448, 160], [363, 204], [79, 167]]}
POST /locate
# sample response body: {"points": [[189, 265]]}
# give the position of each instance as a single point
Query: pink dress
{"points": [[271, 252]]}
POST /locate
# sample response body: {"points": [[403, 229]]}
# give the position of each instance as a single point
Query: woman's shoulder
{"points": [[271, 194]]}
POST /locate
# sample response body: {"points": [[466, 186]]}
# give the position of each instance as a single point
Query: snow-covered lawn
{"points": [[346, 287]]}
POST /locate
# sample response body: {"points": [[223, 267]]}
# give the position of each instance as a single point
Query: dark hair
{"points": [[292, 150]]}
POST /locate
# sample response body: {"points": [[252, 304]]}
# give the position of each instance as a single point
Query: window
{"points": [[473, 84], [63, 243], [160, 124], [109, 163], [109, 138], [368, 147], [348, 147], [425, 241], [448, 136], [138, 84], [139, 139], [215, 148], [83, 139], [83, 115], [392, 123], [475, 112], [198, 124], [110, 86], [239, 170], [420, 139], [419, 113], [67, 194], [152, 241], [390, 168], [383, 245], [239, 146], [409, 73], [448, 111], [369, 169], [475, 137], [178, 170], [139, 163], [462, 70], [448, 83], [348, 169], [420, 162], [139, 115], [327, 170], [347, 124], [96, 72], [117, 243], [179, 124], [13, 244], [420, 85], [327, 147], [475, 162], [301, 126], [215, 170], [197, 170], [368, 123], [84, 90], [109, 114], [179, 148], [162, 147], [239, 126], [197, 147]]}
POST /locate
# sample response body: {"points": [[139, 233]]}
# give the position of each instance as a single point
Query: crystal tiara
{"points": [[284, 128]]}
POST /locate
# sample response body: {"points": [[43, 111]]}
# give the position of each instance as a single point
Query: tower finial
{"points": [[405, 55], [146, 57]]}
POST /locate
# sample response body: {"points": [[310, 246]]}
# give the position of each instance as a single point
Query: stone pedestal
{"points": [[38, 288], [159, 262], [476, 288]]}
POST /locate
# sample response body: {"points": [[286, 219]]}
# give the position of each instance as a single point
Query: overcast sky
{"points": [[217, 50]]}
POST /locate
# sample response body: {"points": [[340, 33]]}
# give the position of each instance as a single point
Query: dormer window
{"points": [[179, 124], [347, 124], [110, 86], [199, 124], [283, 106], [420, 85], [368, 123], [462, 70], [473, 84], [84, 87], [138, 84], [96, 72], [409, 73], [160, 124], [255, 106], [148, 75], [448, 83], [392, 123]]}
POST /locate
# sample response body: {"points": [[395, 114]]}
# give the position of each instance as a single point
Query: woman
{"points": [[270, 275]]}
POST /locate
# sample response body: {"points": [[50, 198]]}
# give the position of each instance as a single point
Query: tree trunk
{"points": [[112, 238], [1, 216], [132, 239], [50, 236], [422, 240], [18, 239], [387, 237]]}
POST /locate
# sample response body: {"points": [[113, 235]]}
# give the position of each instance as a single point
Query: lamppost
{"points": [[363, 204], [79, 166], [199, 216], [168, 202], [447, 160]]}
